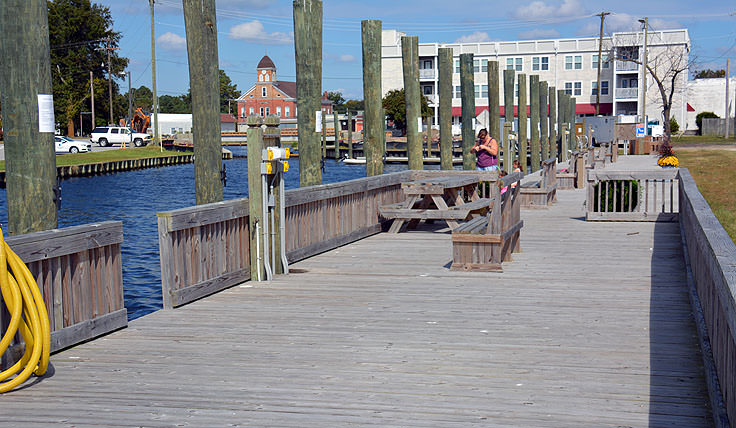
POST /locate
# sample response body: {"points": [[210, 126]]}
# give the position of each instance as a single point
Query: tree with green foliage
{"points": [[142, 98], [337, 99], [674, 126], [354, 105], [710, 74], [175, 104], [80, 33], [228, 91], [395, 106], [704, 115]]}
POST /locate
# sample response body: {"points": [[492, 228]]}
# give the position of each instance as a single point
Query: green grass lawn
{"points": [[109, 156], [687, 140], [715, 173]]}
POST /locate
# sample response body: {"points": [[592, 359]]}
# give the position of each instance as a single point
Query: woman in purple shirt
{"points": [[486, 148]]}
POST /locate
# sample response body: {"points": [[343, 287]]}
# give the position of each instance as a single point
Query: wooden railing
{"points": [[632, 195], [79, 273], [205, 248], [711, 258]]}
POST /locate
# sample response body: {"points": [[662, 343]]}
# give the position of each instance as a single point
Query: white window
{"points": [[251, 111], [428, 89], [278, 111], [261, 111], [260, 78], [516, 90], [578, 62], [515, 64], [573, 62], [604, 87], [263, 91], [480, 65], [242, 112], [268, 111], [574, 88], [458, 92], [568, 88], [427, 64], [268, 77], [604, 64], [481, 91], [286, 111], [457, 66], [540, 63]]}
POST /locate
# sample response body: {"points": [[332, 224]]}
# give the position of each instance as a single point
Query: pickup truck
{"points": [[107, 135]]}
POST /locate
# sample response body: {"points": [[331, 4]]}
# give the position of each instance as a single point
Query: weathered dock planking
{"points": [[381, 332]]}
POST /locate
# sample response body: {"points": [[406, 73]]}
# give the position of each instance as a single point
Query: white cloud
{"points": [[538, 33], [541, 10], [477, 37], [254, 32], [346, 58], [172, 42]]}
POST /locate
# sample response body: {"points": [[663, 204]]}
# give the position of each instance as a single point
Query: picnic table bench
{"points": [[483, 243], [437, 198]]}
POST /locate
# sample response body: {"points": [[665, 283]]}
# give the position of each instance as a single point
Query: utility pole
{"points": [[109, 79], [600, 59], [645, 21], [728, 117], [92, 94], [154, 102], [25, 88]]}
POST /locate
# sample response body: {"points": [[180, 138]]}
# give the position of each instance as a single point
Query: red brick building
{"points": [[270, 96]]}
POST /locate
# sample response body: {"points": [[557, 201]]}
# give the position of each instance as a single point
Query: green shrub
{"points": [[674, 126], [699, 119], [615, 189]]}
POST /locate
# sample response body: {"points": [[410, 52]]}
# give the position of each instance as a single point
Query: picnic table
{"points": [[437, 198]]}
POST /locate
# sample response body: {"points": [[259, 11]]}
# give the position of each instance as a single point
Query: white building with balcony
{"points": [[569, 64]]}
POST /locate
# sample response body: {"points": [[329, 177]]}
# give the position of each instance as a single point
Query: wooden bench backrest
{"points": [[549, 173], [506, 210]]}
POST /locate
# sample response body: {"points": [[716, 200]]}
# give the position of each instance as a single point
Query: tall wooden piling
{"points": [[336, 126], [534, 111], [272, 138], [494, 103], [467, 93], [508, 95], [522, 133], [374, 136], [560, 120], [573, 141], [544, 131], [25, 86], [553, 133], [255, 193], [444, 59], [508, 147], [412, 99], [564, 111], [350, 135], [308, 56], [204, 82]]}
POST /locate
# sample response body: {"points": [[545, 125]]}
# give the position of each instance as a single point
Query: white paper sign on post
{"points": [[45, 113], [318, 121], [419, 123]]}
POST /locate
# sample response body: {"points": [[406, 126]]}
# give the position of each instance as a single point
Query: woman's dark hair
{"points": [[482, 133]]}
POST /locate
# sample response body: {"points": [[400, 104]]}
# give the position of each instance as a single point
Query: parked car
{"points": [[67, 145], [107, 135]]}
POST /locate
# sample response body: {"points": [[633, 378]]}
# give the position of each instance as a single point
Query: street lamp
{"points": [[130, 107]]}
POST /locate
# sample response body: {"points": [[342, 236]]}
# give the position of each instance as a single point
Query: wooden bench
{"points": [[574, 176], [455, 212], [540, 194], [483, 243]]}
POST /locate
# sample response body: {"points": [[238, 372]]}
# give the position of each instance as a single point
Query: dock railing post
{"points": [[413, 100], [467, 92], [255, 194], [560, 120], [28, 113], [204, 80], [308, 56], [522, 134], [374, 136], [272, 138], [444, 59]]}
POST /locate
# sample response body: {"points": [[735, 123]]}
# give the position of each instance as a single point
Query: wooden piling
{"points": [[508, 95], [350, 135], [522, 133], [560, 120], [308, 56], [534, 103], [412, 98], [544, 131], [573, 141], [444, 60], [204, 82], [553, 133], [373, 118], [25, 86], [255, 192], [494, 127], [336, 125], [467, 93], [508, 152]]}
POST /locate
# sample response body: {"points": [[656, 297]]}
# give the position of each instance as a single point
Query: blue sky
{"points": [[250, 28]]}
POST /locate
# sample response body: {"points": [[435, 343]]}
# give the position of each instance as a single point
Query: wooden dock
{"points": [[590, 325]]}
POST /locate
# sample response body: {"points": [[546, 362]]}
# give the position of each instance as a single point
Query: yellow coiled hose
{"points": [[27, 315]]}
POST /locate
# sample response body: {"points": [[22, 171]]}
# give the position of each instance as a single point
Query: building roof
{"points": [[266, 62], [289, 88], [227, 118]]}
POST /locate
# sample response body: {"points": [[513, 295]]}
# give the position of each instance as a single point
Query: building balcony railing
{"points": [[426, 73], [626, 66], [630, 93]]}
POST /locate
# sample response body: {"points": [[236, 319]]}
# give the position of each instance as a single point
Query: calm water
{"points": [[135, 197]]}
